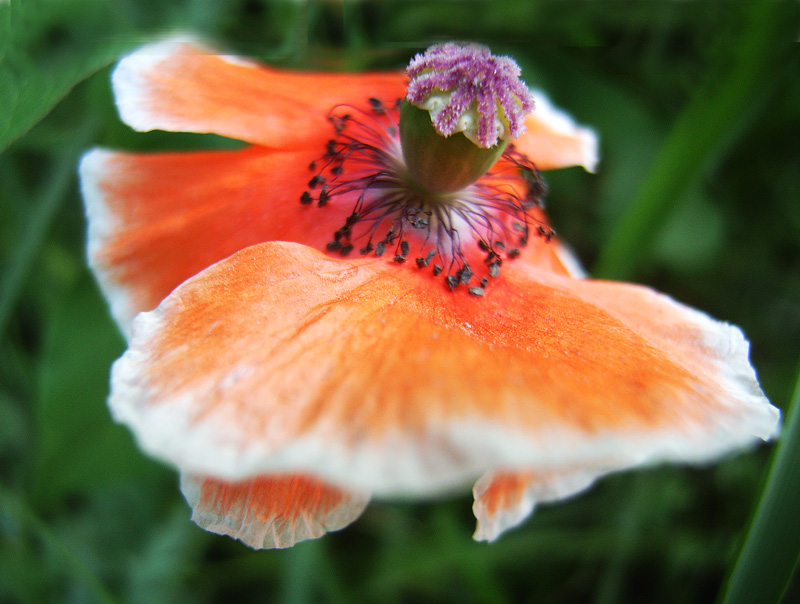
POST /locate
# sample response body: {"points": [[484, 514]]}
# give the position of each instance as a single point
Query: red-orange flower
{"points": [[290, 378]]}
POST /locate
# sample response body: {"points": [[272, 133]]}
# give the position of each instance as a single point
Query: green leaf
{"points": [[47, 48], [772, 549]]}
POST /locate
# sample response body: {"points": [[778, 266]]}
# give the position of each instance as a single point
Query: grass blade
{"points": [[700, 134], [771, 550]]}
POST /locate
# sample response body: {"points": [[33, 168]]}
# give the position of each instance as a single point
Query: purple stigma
{"points": [[467, 89]]}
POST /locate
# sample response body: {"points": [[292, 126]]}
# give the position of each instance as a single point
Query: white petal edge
{"points": [[102, 224], [275, 534]]}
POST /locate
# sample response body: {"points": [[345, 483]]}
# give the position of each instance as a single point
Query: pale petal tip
{"points": [[134, 87], [560, 122]]}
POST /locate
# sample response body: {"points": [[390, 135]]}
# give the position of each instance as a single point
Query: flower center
{"points": [[454, 206]]}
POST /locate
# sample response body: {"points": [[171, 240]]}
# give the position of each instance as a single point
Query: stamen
{"points": [[363, 166]]}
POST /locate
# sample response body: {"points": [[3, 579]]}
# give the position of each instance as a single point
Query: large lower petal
{"points": [[181, 85], [269, 512], [156, 220], [375, 377]]}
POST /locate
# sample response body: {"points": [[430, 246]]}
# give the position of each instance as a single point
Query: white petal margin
{"points": [[503, 500], [554, 140], [103, 223], [271, 512]]}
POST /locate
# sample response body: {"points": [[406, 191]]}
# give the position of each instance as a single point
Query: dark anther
{"points": [[452, 282], [484, 282], [547, 233], [404, 248], [380, 248], [346, 249], [419, 222], [305, 198], [376, 105], [423, 262], [464, 274], [338, 122], [352, 219], [476, 291], [494, 269], [483, 245], [317, 180], [366, 249], [399, 258], [514, 252], [437, 268], [312, 166], [336, 170], [323, 196], [330, 148], [499, 245], [334, 245]]}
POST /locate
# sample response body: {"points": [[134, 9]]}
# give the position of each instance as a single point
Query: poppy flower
{"points": [[368, 301]]}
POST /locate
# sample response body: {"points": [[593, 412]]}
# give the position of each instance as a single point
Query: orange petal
{"points": [[156, 220], [271, 511], [553, 140], [504, 499], [376, 377], [181, 85]]}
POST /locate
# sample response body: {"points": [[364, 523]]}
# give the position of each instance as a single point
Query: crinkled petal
{"points": [[377, 378], [269, 512], [552, 139], [156, 220], [179, 84], [504, 499]]}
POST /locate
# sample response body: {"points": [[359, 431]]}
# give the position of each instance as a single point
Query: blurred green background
{"points": [[697, 105]]}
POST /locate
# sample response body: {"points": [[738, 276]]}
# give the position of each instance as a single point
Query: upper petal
{"points": [[181, 85], [552, 139], [378, 378]]}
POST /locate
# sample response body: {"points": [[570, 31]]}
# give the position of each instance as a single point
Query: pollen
{"points": [[467, 89]]}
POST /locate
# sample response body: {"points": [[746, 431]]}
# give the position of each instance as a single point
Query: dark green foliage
{"points": [[698, 194]]}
